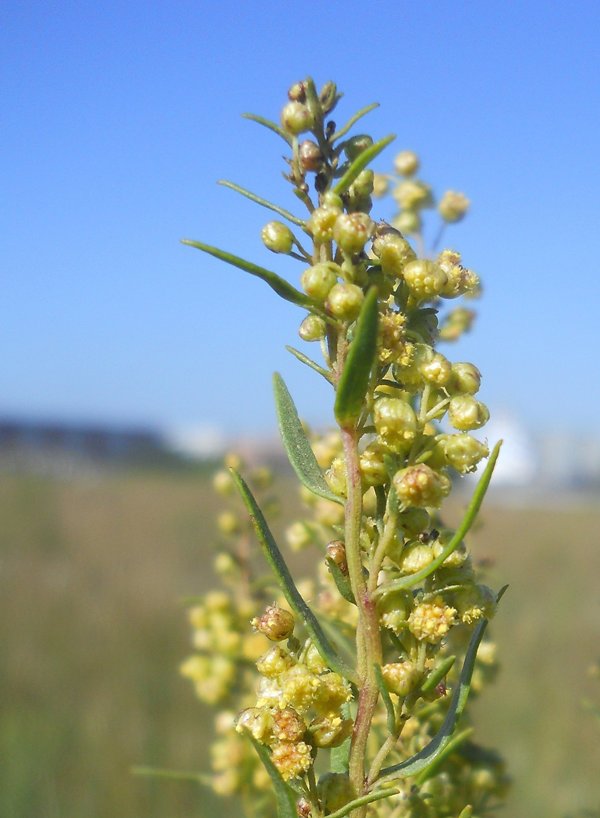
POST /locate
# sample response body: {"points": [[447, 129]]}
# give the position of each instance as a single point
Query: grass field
{"points": [[92, 631]]}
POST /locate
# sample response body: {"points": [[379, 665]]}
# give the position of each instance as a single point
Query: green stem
{"points": [[368, 636]]}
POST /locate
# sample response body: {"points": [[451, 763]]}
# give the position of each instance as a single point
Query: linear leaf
{"points": [[376, 795], [296, 602], [456, 740], [354, 380], [341, 580], [296, 444], [421, 761], [283, 288], [460, 533], [284, 796], [360, 163], [304, 359], [263, 202], [387, 700], [353, 120], [272, 126], [437, 674]]}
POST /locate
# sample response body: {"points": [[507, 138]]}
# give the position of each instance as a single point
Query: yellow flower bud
{"points": [[466, 413], [421, 486], [274, 662], [431, 621], [319, 279], [312, 328], [288, 725], [424, 279], [344, 301], [396, 423], [258, 721], [292, 760], [329, 731], [412, 194], [400, 678], [277, 237], [276, 623], [322, 221], [297, 118], [406, 163], [453, 206], [351, 231]]}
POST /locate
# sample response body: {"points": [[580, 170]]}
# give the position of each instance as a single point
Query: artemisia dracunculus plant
{"points": [[364, 675]]}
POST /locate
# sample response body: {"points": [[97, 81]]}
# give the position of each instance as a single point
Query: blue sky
{"points": [[118, 118]]}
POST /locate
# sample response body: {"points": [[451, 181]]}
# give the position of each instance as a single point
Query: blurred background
{"points": [[131, 363]]}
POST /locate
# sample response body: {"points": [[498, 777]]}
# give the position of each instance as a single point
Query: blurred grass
{"points": [[92, 632]]}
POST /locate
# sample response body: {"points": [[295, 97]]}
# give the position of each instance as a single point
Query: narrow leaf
{"points": [[455, 742], [428, 754], [360, 163], [354, 380], [263, 202], [460, 533], [353, 120], [296, 602], [296, 444], [467, 812], [284, 796], [437, 674], [376, 795], [387, 700], [309, 362], [280, 285], [272, 126], [341, 580]]}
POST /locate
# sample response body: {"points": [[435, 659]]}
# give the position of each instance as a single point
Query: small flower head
{"points": [[276, 623], [463, 452], [424, 279], [274, 662], [310, 155], [466, 413], [336, 552], [421, 486], [292, 760], [413, 195], [400, 678], [406, 163], [465, 379], [431, 621], [277, 237], [329, 731], [352, 231], [344, 301], [312, 328], [394, 609], [288, 725], [408, 222], [318, 280], [453, 206], [396, 423], [474, 603], [356, 145], [297, 118], [258, 721], [322, 221]]}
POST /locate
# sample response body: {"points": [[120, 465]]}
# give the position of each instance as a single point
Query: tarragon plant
{"points": [[345, 695]]}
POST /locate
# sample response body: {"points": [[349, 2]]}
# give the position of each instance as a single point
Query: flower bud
{"points": [[228, 523], [328, 97], [396, 423], [400, 678], [392, 249], [394, 609], [457, 322], [466, 412], [344, 301], [258, 721], [380, 185], [333, 200], [421, 486], [362, 186], [276, 623], [288, 725], [413, 521], [437, 370], [319, 279], [312, 328], [297, 118], [274, 662], [463, 452], [297, 92], [222, 483], [292, 760], [465, 379], [415, 557], [336, 552], [412, 194], [356, 145], [310, 155], [277, 237], [453, 206], [425, 279], [458, 557], [406, 163], [474, 603], [431, 621], [335, 791], [372, 466], [322, 221], [329, 731], [408, 222], [298, 536], [351, 231]]}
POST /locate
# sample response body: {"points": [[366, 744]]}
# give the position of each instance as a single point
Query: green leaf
{"points": [[354, 380], [353, 120], [341, 580], [272, 126], [296, 602], [284, 796], [360, 163], [421, 761], [387, 700], [433, 769], [304, 359], [460, 533], [263, 202], [280, 285], [376, 795], [296, 444], [437, 674]]}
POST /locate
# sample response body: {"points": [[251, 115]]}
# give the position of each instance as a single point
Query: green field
{"points": [[92, 631]]}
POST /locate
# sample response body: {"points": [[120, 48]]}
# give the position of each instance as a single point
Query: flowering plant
{"points": [[346, 695]]}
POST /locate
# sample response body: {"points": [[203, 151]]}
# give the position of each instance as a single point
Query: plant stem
{"points": [[368, 642]]}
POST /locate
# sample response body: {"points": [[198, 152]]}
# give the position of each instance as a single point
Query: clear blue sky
{"points": [[118, 118]]}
